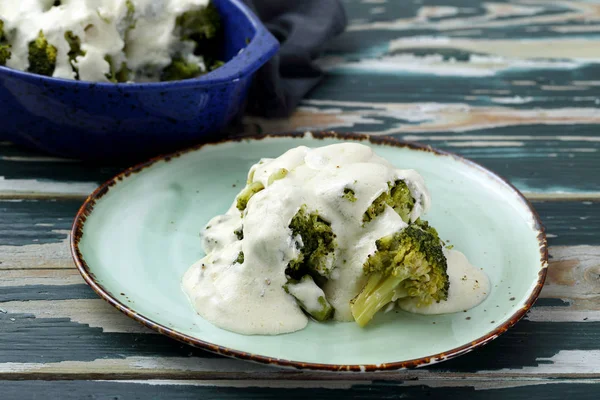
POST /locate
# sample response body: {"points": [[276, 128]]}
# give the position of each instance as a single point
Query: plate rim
{"points": [[87, 207]]}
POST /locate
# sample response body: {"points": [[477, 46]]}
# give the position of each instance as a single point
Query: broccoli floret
{"points": [[42, 56], [117, 76], [317, 245], [74, 50], [397, 196], [310, 298], [216, 64], [349, 195], [5, 52], [203, 23], [240, 258], [246, 194], [239, 233], [180, 69], [410, 263], [202, 27]]}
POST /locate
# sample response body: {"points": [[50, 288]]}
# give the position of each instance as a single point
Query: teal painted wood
{"points": [[415, 70], [30, 222], [45, 292], [25, 390], [26, 339], [33, 338], [35, 222], [533, 157]]}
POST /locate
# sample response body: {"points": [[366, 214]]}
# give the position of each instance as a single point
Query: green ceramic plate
{"points": [[137, 234]]}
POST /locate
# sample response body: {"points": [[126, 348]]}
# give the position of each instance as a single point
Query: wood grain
{"points": [[376, 390], [511, 84]]}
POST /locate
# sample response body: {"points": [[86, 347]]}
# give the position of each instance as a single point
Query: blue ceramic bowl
{"points": [[96, 121]]}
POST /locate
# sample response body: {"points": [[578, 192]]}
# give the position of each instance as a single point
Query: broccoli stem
{"points": [[246, 194], [277, 175], [379, 291], [310, 298]]}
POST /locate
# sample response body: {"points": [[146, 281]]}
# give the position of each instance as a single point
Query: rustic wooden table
{"points": [[513, 85]]}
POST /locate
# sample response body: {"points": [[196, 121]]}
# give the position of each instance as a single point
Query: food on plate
{"points": [[110, 40], [328, 233]]}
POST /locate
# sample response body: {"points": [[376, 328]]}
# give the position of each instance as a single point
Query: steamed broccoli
{"points": [[203, 27], [74, 50], [317, 245], [117, 75], [410, 263], [215, 64], [200, 24], [129, 17], [42, 56], [240, 258], [310, 298], [349, 195], [254, 187], [397, 196], [246, 194], [5, 52], [180, 69]]}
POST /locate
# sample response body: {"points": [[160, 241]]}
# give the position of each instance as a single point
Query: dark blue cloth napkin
{"points": [[303, 28]]}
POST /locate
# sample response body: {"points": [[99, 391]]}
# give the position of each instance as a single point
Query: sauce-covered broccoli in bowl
{"points": [[125, 79], [110, 40]]}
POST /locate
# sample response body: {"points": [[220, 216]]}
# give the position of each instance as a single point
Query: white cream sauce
{"points": [[308, 293], [101, 25], [248, 298]]}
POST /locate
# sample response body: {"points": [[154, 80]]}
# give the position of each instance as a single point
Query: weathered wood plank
{"points": [[570, 293], [549, 144], [24, 390], [84, 335], [34, 233], [462, 75]]}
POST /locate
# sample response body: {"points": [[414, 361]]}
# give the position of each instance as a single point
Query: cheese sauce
{"points": [[247, 297]]}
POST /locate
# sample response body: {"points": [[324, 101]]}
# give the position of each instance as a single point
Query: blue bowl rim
{"points": [[261, 48]]}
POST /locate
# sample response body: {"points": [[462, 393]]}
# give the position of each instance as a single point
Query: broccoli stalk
{"points": [[397, 196], [410, 263], [245, 195], [42, 56], [254, 187], [310, 298]]}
